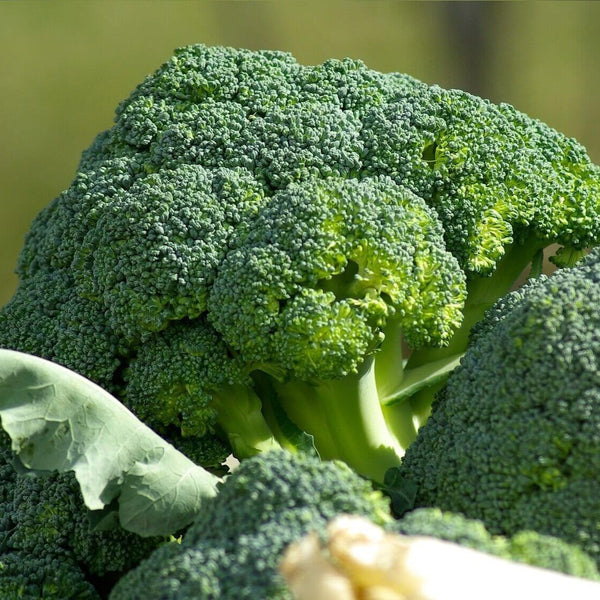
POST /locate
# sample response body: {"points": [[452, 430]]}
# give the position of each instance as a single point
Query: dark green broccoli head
{"points": [[48, 317], [49, 576], [308, 213], [44, 524], [234, 547], [514, 438]]}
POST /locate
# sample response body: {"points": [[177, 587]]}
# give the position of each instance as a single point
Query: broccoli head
{"points": [[233, 548], [513, 438], [49, 576], [312, 225]]}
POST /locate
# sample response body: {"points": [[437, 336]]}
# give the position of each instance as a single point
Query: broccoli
{"points": [[29, 577], [257, 245], [513, 439], [233, 548], [49, 547]]}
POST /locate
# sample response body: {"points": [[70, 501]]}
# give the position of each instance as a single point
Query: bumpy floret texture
{"points": [[188, 351], [310, 287], [234, 547], [296, 209], [529, 547], [24, 576], [46, 529], [514, 438]]}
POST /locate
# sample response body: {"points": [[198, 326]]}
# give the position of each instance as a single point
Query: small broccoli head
{"points": [[513, 438], [175, 374], [50, 576], [47, 317], [234, 547], [184, 383], [325, 266]]}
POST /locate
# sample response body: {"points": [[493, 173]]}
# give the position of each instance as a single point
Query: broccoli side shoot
{"points": [[234, 547], [513, 438], [320, 287]]}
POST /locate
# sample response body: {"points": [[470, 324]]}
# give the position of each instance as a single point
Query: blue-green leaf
{"points": [[60, 421]]}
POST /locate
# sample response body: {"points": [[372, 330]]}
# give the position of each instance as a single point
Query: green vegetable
{"points": [[255, 247], [234, 547], [513, 439], [51, 545]]}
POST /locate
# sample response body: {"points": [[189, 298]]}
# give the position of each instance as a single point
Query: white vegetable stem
{"points": [[363, 562]]}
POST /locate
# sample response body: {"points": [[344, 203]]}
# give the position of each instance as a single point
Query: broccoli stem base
{"points": [[346, 419]]}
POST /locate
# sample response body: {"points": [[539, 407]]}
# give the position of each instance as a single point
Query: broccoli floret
{"points": [[48, 545], [25, 576], [513, 438], [233, 548], [529, 547], [323, 222], [47, 317], [185, 376]]}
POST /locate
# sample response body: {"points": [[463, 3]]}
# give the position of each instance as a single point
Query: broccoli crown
{"points": [[234, 547], [46, 527], [529, 547], [513, 438], [314, 281], [29, 577], [306, 213]]}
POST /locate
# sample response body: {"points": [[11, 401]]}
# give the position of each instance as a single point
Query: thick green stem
{"points": [[239, 413], [346, 420], [389, 360]]}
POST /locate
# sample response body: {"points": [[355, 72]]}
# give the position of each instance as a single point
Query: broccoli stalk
{"points": [[239, 414], [346, 418]]}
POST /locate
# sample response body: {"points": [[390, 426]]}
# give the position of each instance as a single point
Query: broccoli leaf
{"points": [[59, 420]]}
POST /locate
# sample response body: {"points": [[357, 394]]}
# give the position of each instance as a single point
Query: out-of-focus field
{"points": [[67, 63]]}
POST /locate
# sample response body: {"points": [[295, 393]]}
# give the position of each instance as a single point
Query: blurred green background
{"points": [[67, 63]]}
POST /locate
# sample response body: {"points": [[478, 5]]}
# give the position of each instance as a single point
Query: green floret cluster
{"points": [[256, 246], [513, 439], [49, 546], [233, 548]]}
